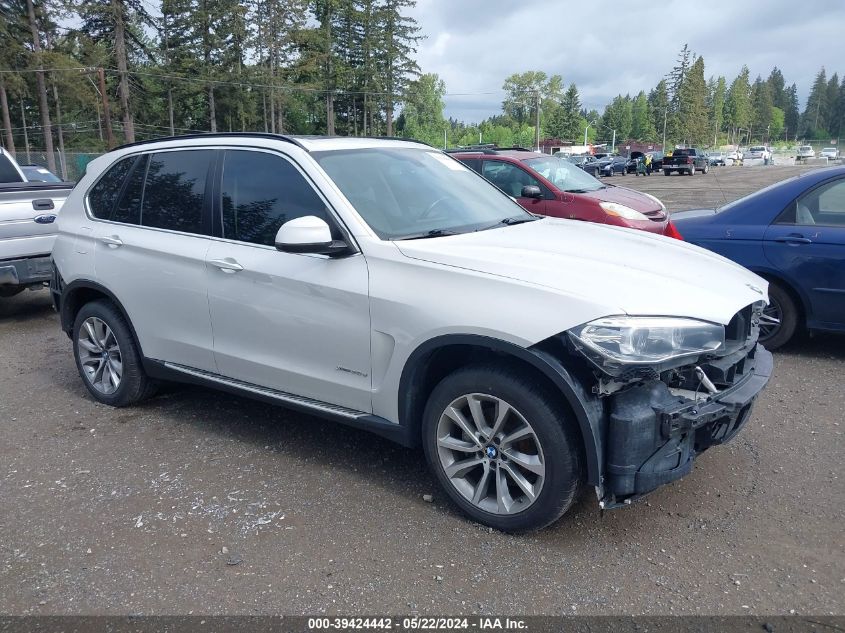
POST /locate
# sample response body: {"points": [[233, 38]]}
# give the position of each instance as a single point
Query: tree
{"points": [[791, 116], [738, 103], [716, 93], [832, 104], [692, 109], [523, 91], [399, 38], [777, 88], [642, 127], [41, 86], [814, 118], [761, 103], [658, 103], [422, 116], [618, 118]]}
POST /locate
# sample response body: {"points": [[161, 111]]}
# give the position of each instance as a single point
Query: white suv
{"points": [[385, 285]]}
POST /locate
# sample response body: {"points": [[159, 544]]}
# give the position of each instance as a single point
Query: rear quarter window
{"points": [[8, 173], [104, 194]]}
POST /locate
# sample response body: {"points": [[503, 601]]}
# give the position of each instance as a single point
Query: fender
{"points": [[587, 410], [65, 306]]}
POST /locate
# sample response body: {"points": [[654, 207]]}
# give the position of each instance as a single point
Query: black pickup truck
{"points": [[686, 161]]}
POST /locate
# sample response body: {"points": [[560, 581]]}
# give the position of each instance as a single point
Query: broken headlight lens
{"points": [[627, 340]]}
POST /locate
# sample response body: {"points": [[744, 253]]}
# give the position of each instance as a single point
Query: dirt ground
{"points": [[200, 502]]}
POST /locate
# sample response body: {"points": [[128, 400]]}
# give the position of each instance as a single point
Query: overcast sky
{"points": [[608, 48]]}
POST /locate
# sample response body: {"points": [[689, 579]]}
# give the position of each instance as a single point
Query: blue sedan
{"points": [[793, 234]]}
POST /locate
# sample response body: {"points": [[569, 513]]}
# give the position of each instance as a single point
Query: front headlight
{"points": [[620, 210], [651, 197], [626, 341]]}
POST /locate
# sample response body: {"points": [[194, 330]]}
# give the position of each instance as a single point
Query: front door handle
{"points": [[113, 241], [227, 265], [794, 239]]}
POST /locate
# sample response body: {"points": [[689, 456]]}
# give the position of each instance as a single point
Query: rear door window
{"points": [[174, 193], [128, 208], [508, 177]]}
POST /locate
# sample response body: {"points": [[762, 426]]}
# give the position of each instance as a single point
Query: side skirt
{"points": [[359, 419]]}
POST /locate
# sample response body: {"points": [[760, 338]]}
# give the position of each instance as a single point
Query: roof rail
{"points": [[463, 150], [277, 137]]}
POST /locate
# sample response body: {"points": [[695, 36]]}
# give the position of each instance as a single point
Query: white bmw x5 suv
{"points": [[385, 285]]}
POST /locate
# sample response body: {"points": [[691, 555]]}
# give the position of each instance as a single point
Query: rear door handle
{"points": [[227, 265], [113, 241], [794, 239], [43, 204]]}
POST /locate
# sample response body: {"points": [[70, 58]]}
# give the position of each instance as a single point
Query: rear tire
{"points": [[666, 172], [781, 307], [107, 357], [536, 439]]}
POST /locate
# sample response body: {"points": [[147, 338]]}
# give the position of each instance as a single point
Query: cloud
{"points": [[612, 48]]}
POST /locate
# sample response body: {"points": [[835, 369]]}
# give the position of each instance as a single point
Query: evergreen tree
{"points": [[422, 115], [692, 109], [738, 112], [832, 104], [777, 89], [570, 106], [618, 117], [761, 103], [397, 46], [642, 128], [791, 116], [716, 93], [658, 102], [815, 113]]}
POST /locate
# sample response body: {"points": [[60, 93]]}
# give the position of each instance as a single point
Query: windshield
{"points": [[407, 193], [684, 152], [565, 176], [38, 174]]}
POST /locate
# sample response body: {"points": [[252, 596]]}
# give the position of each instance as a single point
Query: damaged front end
{"points": [[670, 388]]}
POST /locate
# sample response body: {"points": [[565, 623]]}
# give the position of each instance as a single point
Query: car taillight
{"points": [[671, 231], [689, 160]]}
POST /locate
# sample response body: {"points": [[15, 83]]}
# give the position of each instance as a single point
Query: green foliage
{"points": [[523, 91], [422, 116]]}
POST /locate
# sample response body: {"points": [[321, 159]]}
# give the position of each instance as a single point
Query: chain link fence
{"points": [[69, 165]]}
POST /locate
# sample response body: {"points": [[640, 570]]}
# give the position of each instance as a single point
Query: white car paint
{"points": [[341, 330]]}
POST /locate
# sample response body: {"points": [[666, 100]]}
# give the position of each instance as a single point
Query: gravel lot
{"points": [[206, 503]]}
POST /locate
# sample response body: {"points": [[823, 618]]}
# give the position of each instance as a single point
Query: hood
{"points": [[627, 271], [628, 197]]}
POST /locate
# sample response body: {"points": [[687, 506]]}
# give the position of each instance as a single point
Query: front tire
{"points": [[107, 357], [780, 318], [666, 172], [503, 448]]}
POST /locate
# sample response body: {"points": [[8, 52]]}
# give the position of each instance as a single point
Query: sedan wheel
{"points": [[99, 355], [770, 321], [490, 453]]}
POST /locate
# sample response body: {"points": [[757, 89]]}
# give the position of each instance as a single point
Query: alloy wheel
{"points": [[99, 355], [490, 453], [770, 320]]}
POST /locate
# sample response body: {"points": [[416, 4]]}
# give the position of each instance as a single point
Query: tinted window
{"points": [[508, 177], [261, 192], [128, 208], [8, 173], [472, 163], [175, 190], [104, 194]]}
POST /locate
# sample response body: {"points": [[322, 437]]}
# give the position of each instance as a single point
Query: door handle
{"points": [[43, 204], [227, 265], [794, 239], [113, 241]]}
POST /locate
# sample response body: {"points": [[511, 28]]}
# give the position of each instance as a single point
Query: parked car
{"points": [[793, 235], [383, 284], [805, 152], [613, 166], [28, 211], [716, 158], [758, 152], [831, 153], [686, 161], [37, 173], [735, 156], [577, 160], [546, 185]]}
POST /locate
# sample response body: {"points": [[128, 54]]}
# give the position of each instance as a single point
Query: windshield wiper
{"points": [[428, 234], [518, 219]]}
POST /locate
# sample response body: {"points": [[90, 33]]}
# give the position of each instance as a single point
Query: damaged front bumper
{"points": [[654, 432]]}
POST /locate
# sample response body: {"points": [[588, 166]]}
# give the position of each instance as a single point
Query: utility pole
{"points": [[101, 76], [537, 120], [613, 143], [665, 114]]}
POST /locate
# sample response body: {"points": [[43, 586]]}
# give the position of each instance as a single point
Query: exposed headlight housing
{"points": [[620, 343], [620, 210]]}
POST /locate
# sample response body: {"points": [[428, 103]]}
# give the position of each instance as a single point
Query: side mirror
{"points": [[309, 234], [531, 191]]}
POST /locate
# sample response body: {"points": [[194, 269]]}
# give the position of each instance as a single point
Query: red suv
{"points": [[547, 185]]}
